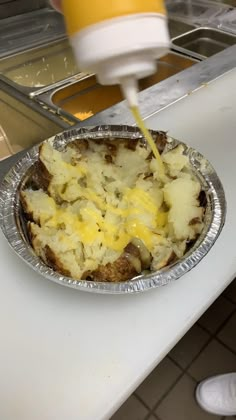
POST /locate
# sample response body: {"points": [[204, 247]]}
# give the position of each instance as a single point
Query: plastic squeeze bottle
{"points": [[118, 40]]}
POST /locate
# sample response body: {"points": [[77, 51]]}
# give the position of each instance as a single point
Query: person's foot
{"points": [[217, 395]]}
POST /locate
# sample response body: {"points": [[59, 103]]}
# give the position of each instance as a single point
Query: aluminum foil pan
{"points": [[13, 226]]}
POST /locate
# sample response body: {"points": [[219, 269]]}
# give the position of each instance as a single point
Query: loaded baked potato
{"points": [[102, 210]]}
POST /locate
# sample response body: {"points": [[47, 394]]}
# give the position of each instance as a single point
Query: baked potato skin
{"points": [[54, 262], [121, 270], [118, 271], [46, 253], [27, 212]]}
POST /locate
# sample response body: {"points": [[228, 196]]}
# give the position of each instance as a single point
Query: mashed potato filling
{"points": [[103, 196]]}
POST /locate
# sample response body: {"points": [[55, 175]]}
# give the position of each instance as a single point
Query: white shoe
{"points": [[217, 395]]}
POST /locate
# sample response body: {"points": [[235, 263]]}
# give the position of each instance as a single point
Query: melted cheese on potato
{"points": [[98, 202]]}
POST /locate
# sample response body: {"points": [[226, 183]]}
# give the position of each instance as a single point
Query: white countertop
{"points": [[69, 355]]}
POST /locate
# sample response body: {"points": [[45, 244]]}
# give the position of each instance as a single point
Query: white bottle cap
{"points": [[129, 87], [121, 49]]}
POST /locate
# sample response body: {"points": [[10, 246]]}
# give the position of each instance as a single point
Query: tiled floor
{"points": [[207, 349]]}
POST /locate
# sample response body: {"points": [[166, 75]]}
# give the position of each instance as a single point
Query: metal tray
{"points": [[204, 42], [79, 100], [23, 126], [14, 230], [40, 68]]}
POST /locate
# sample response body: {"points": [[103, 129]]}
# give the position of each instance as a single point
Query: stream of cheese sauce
{"points": [[141, 125]]}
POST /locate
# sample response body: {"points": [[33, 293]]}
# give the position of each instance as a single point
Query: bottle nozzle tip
{"points": [[129, 86]]}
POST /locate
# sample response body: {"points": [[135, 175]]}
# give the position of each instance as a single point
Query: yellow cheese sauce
{"points": [[147, 136], [90, 225], [137, 215]]}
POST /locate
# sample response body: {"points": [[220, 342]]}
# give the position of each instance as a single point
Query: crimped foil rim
{"points": [[214, 219]]}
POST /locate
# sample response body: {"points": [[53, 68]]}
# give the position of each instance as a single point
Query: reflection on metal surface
{"points": [[199, 12], [27, 30], [186, 9], [204, 42], [23, 127], [86, 98]]}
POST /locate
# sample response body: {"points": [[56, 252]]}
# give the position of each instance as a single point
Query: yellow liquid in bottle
{"points": [[147, 135]]}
